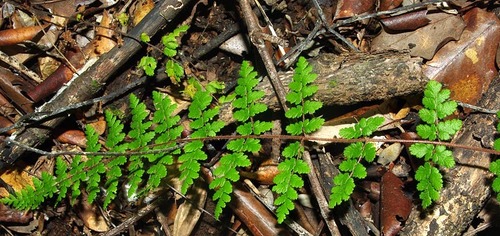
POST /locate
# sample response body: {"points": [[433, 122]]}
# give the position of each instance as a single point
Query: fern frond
{"points": [[351, 167], [140, 139], [94, 164], [190, 166], [246, 108], [287, 181], [437, 106], [224, 176], [114, 143]]}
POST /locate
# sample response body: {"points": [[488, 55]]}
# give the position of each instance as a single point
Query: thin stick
{"points": [[320, 197], [254, 29]]}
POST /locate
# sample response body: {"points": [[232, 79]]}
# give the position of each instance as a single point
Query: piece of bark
{"points": [[258, 219], [466, 187], [353, 78], [90, 82], [346, 212]]}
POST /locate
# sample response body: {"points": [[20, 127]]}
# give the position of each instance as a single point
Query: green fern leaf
{"points": [[353, 166], [342, 189], [354, 150], [430, 183], [293, 150], [446, 129], [286, 183]]}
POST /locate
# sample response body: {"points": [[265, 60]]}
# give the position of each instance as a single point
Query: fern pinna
{"points": [[246, 108], [437, 106], [288, 180], [203, 126], [352, 167]]}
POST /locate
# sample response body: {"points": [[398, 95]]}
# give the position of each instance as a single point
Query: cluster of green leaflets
{"points": [[246, 107], [352, 167], [162, 131], [173, 69], [437, 106], [301, 111]]}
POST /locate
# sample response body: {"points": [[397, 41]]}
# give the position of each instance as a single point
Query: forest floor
{"points": [[66, 65]]}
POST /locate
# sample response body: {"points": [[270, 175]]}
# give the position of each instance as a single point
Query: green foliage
{"points": [[173, 69], [302, 108], [148, 64], [246, 108], [92, 171], [437, 106], [203, 126], [145, 38], [495, 165], [430, 182], [351, 167], [169, 41]]}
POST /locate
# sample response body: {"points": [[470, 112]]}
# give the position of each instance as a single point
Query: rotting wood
{"points": [[359, 77], [466, 186], [354, 78], [88, 83]]}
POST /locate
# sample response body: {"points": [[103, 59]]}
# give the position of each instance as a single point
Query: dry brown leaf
{"points": [[17, 178], [75, 137], [8, 214], [389, 4], [263, 175], [103, 41], [467, 66], [395, 205], [348, 8], [142, 8], [91, 217], [188, 213], [406, 22], [389, 154], [425, 41]]}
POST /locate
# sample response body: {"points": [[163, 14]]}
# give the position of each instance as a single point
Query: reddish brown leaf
{"points": [[16, 36], [395, 205], [55, 81], [76, 137], [8, 214], [406, 22], [263, 175], [348, 8], [468, 65], [389, 4], [7, 79], [4, 122]]}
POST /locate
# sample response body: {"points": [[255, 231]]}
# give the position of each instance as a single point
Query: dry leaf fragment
{"points": [[348, 8], [141, 9], [389, 4], [75, 137], [91, 217], [16, 36], [467, 66], [406, 22], [395, 205], [390, 154], [425, 41], [188, 213]]}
